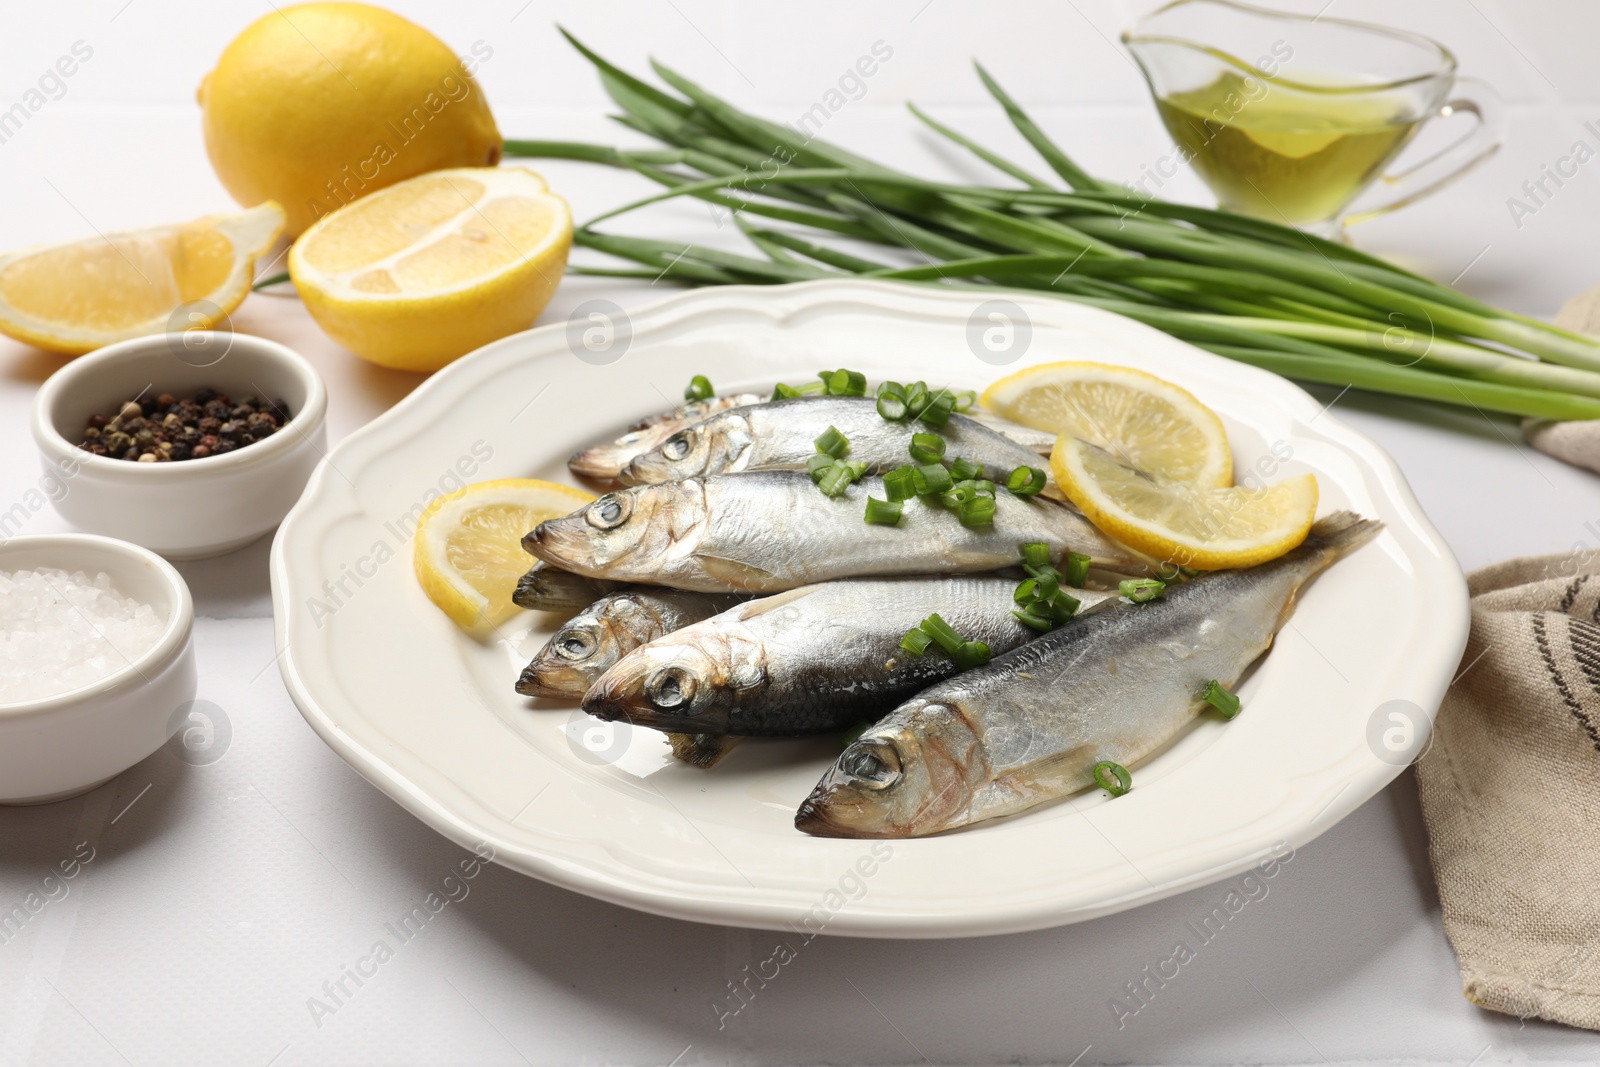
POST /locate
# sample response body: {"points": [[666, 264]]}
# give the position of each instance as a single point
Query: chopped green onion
{"points": [[916, 398], [1112, 777], [888, 388], [1025, 592], [1077, 569], [835, 480], [1046, 584], [1219, 698], [883, 512], [1026, 481], [959, 494], [965, 399], [699, 388], [891, 407], [1036, 554], [1141, 590], [986, 487], [939, 407], [916, 641], [1037, 622], [900, 483], [1042, 572], [786, 392], [971, 654], [964, 469], [818, 465], [979, 511], [832, 442], [927, 447], [942, 632], [857, 468], [843, 382], [1064, 606], [931, 479]]}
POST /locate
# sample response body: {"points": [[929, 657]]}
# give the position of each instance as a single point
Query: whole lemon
{"points": [[319, 104]]}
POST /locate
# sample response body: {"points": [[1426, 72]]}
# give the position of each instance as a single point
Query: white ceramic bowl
{"points": [[57, 747], [195, 507]]}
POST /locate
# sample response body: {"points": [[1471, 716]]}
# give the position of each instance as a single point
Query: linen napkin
{"points": [[1511, 792], [1577, 443]]}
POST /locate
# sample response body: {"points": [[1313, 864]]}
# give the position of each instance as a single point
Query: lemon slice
{"points": [[1147, 422], [75, 297], [467, 550], [1188, 525], [424, 271]]}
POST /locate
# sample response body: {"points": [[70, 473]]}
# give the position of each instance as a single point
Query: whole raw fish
{"points": [[604, 632], [603, 463], [780, 436], [1030, 726], [766, 531], [822, 657]]}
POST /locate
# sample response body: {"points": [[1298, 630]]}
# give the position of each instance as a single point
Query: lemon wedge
{"points": [[467, 551], [1204, 527], [1147, 422], [75, 297], [417, 274]]}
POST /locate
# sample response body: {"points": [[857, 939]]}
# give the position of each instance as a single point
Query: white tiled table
{"points": [[220, 899]]}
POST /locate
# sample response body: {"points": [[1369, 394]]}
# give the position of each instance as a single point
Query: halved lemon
{"points": [[75, 297], [424, 271], [467, 551], [1197, 526], [1147, 422]]}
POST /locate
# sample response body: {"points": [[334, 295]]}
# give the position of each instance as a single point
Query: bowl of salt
{"points": [[96, 662]]}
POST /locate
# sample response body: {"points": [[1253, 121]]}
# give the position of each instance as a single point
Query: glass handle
{"points": [[1428, 176]]}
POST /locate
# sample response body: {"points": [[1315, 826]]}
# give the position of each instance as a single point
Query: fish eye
{"points": [[874, 764], [576, 642], [670, 688], [609, 511], [677, 446]]}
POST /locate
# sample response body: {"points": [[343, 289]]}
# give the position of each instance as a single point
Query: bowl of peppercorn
{"points": [[191, 444]]}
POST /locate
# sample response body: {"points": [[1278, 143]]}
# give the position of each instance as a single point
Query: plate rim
{"points": [[1449, 618]]}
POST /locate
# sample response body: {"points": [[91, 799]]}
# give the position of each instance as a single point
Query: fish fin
{"points": [[751, 609], [736, 573], [1067, 766], [1340, 534], [702, 750]]}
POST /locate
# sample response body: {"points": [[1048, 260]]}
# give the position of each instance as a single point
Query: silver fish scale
{"points": [[776, 526], [781, 436]]}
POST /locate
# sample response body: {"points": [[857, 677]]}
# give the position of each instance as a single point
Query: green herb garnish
{"points": [[833, 443], [1112, 777], [1141, 590], [883, 512], [1027, 481], [1225, 702]]}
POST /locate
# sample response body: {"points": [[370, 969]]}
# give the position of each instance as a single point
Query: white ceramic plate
{"points": [[430, 717]]}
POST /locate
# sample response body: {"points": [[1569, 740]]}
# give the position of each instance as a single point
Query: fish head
{"points": [[581, 651], [906, 777], [626, 534], [603, 463], [689, 681], [711, 446]]}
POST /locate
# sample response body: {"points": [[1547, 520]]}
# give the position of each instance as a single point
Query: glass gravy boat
{"points": [[1292, 117]]}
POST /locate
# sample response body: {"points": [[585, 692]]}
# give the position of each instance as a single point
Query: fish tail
{"points": [[1335, 536]]}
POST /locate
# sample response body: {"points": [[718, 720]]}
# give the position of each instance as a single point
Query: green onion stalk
{"points": [[1245, 288]]}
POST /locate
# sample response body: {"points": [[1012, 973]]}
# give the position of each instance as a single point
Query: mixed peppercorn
{"points": [[167, 428]]}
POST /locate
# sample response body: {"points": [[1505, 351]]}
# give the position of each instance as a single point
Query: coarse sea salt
{"points": [[61, 630]]}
